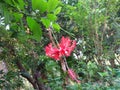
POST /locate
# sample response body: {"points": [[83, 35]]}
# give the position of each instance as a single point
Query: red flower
{"points": [[73, 75], [52, 52], [65, 48]]}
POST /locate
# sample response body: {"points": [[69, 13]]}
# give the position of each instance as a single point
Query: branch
{"points": [[25, 74], [40, 74], [51, 37]]}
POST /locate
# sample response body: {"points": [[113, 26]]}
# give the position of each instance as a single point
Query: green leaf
{"points": [[35, 28], [103, 74], [8, 2], [21, 4], [57, 11], [39, 5], [17, 16], [52, 4], [6, 15], [45, 22], [56, 27], [51, 17]]}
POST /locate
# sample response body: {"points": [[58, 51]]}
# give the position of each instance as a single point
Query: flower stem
{"points": [[51, 37], [65, 62]]}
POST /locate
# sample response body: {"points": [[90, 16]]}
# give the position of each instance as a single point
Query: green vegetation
{"points": [[28, 26]]}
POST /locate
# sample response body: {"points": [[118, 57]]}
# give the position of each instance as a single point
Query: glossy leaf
{"points": [[39, 5], [56, 27], [57, 11], [46, 22], [35, 28], [52, 4], [51, 17]]}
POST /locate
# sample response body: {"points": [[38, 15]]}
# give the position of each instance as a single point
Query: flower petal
{"points": [[67, 46], [73, 75], [52, 52]]}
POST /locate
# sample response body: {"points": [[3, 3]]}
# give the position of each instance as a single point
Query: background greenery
{"points": [[94, 24]]}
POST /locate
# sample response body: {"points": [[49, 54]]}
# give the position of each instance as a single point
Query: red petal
{"points": [[52, 52], [73, 75], [66, 46]]}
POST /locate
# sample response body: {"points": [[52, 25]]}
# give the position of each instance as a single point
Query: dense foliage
{"points": [[92, 43]]}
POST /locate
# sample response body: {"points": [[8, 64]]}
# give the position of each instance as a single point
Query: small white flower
{"points": [[2, 21], [7, 27]]}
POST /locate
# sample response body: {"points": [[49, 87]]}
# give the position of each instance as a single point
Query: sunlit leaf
{"points": [[51, 17], [52, 4], [57, 11], [46, 22], [39, 5], [56, 27], [35, 28]]}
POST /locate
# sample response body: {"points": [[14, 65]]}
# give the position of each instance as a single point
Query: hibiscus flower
{"points": [[65, 47], [52, 52]]}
